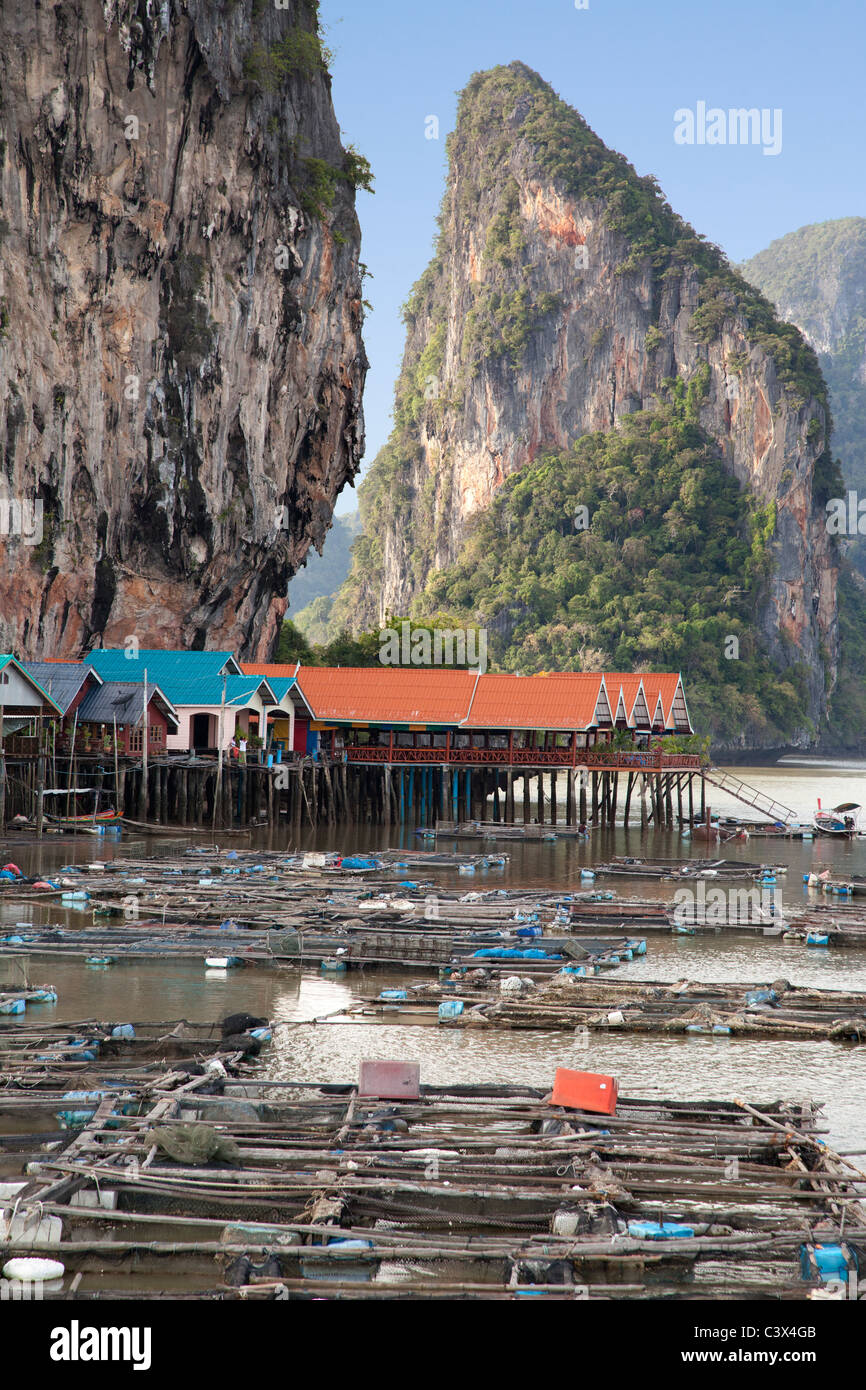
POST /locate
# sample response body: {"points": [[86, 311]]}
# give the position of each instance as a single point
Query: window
{"points": [[135, 740], [156, 733]]}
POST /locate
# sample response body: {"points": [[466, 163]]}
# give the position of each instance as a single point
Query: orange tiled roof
{"points": [[566, 700], [282, 669], [661, 686], [414, 695], [390, 695]]}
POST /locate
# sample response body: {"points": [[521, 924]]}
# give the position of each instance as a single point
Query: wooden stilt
{"points": [[628, 791], [40, 796]]}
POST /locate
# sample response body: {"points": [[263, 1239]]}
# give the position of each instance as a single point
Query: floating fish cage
{"points": [[262, 1189]]}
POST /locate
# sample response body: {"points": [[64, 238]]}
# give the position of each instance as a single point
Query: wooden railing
{"points": [[595, 759], [641, 760], [21, 746]]}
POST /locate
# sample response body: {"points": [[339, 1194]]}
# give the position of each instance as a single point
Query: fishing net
{"points": [[195, 1145]]}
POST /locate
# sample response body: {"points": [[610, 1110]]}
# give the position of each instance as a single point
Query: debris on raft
{"points": [[572, 999], [247, 1187]]}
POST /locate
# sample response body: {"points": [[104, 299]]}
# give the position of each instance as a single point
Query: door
{"points": [[201, 731]]}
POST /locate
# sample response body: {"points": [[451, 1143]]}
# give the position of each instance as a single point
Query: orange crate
{"points": [[584, 1090]]}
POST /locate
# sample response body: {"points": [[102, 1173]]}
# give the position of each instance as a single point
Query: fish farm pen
{"points": [[573, 1000], [158, 1157], [270, 908], [166, 1157]]}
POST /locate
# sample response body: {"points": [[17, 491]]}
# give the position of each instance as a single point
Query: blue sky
{"points": [[627, 67]]}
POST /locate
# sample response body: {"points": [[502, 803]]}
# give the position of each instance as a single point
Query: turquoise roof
{"points": [[162, 666], [208, 690], [280, 685]]}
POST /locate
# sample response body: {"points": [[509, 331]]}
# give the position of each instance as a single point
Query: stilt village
{"points": [[140, 1153]]}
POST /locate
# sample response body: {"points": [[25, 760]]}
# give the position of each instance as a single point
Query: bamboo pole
{"points": [[219, 773], [142, 804], [72, 776]]}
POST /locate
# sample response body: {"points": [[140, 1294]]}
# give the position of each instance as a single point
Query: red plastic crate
{"points": [[584, 1090], [390, 1080]]}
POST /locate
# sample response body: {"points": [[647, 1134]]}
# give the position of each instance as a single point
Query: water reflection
{"points": [[330, 1051], [693, 1069]]}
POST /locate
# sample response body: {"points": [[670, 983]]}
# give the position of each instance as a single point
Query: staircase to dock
{"points": [[759, 801]]}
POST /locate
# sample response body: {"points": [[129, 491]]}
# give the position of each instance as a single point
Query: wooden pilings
{"points": [[182, 792]]}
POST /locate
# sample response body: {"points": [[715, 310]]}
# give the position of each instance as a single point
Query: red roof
{"points": [[566, 700], [282, 669], [662, 687], [388, 695]]}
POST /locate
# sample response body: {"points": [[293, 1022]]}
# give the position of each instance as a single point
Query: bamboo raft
{"points": [[276, 910], [502, 830], [308, 907], [351, 947], [626, 866], [843, 923], [567, 1002], [301, 1190]]}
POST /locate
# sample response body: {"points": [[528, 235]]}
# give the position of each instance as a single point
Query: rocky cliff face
{"points": [[181, 363], [816, 277], [563, 295]]}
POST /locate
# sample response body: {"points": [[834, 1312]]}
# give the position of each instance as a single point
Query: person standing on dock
{"points": [[242, 756]]}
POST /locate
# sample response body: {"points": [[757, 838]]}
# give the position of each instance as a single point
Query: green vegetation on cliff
{"points": [[510, 115], [846, 725], [323, 574], [514, 133], [816, 277], [299, 51], [666, 574]]}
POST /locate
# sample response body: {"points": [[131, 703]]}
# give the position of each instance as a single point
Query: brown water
{"points": [[675, 1067], [798, 784], [693, 1068]]}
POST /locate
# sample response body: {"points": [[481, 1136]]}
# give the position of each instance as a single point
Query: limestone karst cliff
{"points": [[816, 277], [181, 362], [565, 295]]}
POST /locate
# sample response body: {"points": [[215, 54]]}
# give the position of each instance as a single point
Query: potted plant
{"points": [[255, 742]]}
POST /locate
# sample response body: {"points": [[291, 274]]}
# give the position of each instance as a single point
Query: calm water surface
{"points": [[674, 1067]]}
